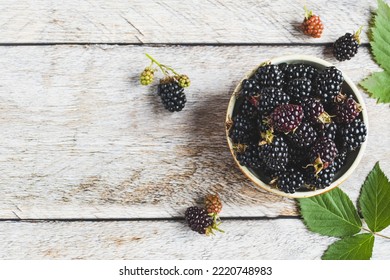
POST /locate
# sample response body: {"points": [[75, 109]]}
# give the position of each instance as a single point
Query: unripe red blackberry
{"points": [[312, 24]]}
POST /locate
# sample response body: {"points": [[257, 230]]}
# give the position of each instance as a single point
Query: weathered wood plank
{"points": [[80, 138], [274, 239], [175, 21]]}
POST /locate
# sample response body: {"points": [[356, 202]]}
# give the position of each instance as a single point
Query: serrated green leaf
{"points": [[374, 200], [332, 214], [378, 85], [357, 247]]}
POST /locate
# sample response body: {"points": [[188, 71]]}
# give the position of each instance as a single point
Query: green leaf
{"points": [[357, 247], [332, 213], [381, 36], [378, 86], [374, 200]]}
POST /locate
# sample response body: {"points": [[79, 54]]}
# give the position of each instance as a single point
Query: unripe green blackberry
{"points": [[183, 80], [147, 76]]}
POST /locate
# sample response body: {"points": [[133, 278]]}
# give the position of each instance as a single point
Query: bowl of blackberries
{"points": [[296, 126]]}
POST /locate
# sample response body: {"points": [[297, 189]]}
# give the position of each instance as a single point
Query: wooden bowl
{"points": [[352, 159]]}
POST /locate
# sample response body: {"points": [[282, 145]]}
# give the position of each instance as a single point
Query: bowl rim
{"points": [[256, 180]]}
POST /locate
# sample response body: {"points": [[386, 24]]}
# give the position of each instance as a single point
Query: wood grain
{"points": [[175, 21], [80, 138], [253, 239]]}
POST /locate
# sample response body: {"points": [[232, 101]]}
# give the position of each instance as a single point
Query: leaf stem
{"points": [[375, 233], [163, 67]]}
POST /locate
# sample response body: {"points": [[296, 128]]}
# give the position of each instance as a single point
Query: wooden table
{"points": [[92, 166]]}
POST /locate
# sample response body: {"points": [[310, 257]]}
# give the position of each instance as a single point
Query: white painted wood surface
{"points": [[81, 138], [176, 21], [252, 239]]}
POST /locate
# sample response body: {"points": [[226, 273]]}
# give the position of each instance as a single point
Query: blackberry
{"points": [[304, 136], [286, 118], [249, 107], [339, 161], [312, 24], [172, 96], [314, 111], [199, 220], [328, 84], [275, 155], [322, 154], [213, 204], [346, 110], [250, 157], [147, 76], [183, 80], [299, 88], [250, 87], [321, 180], [351, 136], [242, 130], [299, 71], [297, 157], [346, 46], [270, 98], [328, 130], [288, 181], [269, 76]]}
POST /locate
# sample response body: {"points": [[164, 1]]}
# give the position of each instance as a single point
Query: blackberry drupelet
{"points": [[288, 181], [321, 180], [322, 154], [351, 136], [314, 111], [269, 76], [346, 46], [172, 96], [199, 220], [242, 130], [299, 88], [270, 98], [275, 155], [304, 136], [286, 118], [328, 84], [250, 87]]}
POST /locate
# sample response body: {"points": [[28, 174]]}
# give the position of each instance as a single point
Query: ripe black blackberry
{"points": [[351, 136], [328, 130], [300, 70], [322, 154], [288, 181], [249, 107], [345, 109], [314, 111], [199, 220], [328, 84], [172, 95], [242, 130], [250, 157], [304, 136], [270, 98], [275, 155], [250, 87], [286, 118], [269, 76], [347, 46], [299, 88], [339, 161], [321, 180]]}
